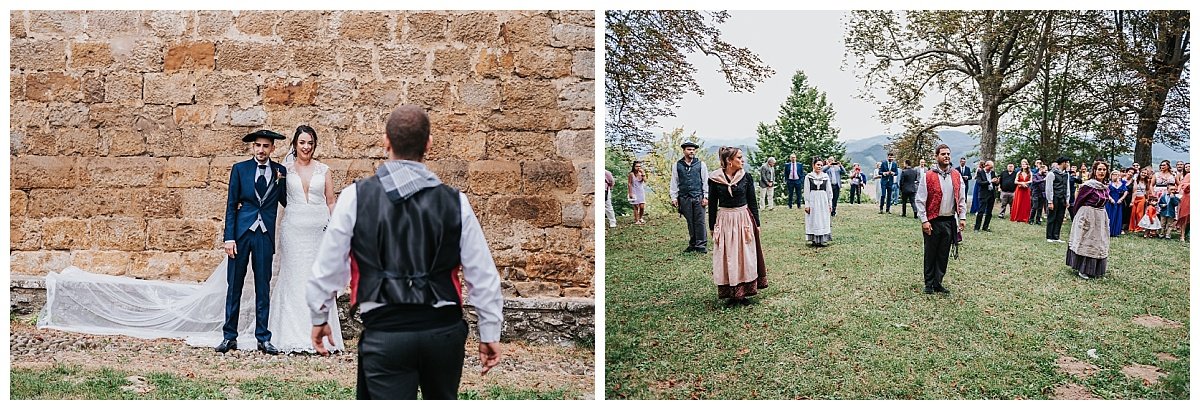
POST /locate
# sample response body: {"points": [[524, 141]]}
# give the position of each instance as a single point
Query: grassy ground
{"points": [[850, 322]]}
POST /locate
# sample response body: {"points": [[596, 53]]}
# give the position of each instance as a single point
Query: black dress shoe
{"points": [[227, 345], [268, 348], [702, 250], [689, 249], [940, 289], [928, 291]]}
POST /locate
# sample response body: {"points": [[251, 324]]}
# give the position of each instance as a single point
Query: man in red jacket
{"points": [[941, 201]]}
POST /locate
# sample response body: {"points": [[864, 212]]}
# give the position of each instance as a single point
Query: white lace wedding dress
{"points": [[80, 301]]}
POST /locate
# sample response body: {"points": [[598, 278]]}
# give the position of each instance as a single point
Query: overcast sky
{"points": [[787, 41]]}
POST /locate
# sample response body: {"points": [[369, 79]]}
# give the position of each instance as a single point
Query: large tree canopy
{"points": [[647, 69], [978, 59], [804, 127]]}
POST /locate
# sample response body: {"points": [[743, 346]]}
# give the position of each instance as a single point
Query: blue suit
{"points": [[793, 187], [246, 204], [888, 182]]}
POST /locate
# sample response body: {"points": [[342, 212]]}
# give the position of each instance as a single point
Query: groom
{"points": [[256, 189]]}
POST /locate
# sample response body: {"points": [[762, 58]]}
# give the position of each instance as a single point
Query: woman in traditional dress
{"points": [[818, 206], [1087, 252], [738, 267], [1022, 201], [1117, 190], [1185, 201]]}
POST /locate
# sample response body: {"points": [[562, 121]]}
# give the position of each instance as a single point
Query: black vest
{"points": [[407, 254], [1060, 184], [690, 178]]}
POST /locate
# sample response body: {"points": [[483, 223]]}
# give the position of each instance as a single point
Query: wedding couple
{"points": [[225, 306]]}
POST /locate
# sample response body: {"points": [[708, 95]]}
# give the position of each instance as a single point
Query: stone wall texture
{"points": [[124, 125]]}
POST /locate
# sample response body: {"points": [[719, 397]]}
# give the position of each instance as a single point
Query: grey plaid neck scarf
{"points": [[401, 179]]}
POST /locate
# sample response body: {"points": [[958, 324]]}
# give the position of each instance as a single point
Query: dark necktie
{"points": [[260, 184]]}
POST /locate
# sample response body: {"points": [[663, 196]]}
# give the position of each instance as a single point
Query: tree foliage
{"points": [[1155, 46], [647, 69], [804, 127]]}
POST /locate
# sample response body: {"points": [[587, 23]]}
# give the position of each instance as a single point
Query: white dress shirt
{"points": [[953, 207], [331, 271]]}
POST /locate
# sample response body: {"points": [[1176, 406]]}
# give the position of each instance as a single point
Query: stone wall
{"points": [[124, 125]]}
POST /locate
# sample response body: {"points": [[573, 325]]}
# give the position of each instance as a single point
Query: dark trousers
{"points": [[1054, 219], [257, 248], [885, 199], [693, 212], [837, 192], [856, 194], [793, 186], [1037, 203], [937, 250], [907, 199], [987, 199], [391, 365]]}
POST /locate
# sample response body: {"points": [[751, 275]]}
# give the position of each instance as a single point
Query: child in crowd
{"points": [[1149, 222], [1168, 208]]}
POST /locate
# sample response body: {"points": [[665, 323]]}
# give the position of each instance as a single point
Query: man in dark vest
{"points": [[942, 209], [409, 236], [986, 183], [689, 194], [1056, 197]]}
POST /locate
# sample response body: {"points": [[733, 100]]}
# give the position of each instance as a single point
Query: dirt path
{"points": [[524, 367]]}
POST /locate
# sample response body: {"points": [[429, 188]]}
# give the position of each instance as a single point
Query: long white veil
{"points": [[85, 302]]}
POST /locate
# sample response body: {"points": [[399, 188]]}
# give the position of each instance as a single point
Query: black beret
{"points": [[1062, 160], [689, 144], [262, 134]]}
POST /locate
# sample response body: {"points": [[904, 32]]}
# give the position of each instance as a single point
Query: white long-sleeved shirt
{"points": [[675, 178], [331, 271], [957, 208]]}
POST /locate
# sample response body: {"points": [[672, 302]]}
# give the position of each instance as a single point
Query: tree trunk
{"points": [[1148, 117], [989, 123]]}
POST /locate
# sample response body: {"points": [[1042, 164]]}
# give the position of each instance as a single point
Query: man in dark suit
{"points": [[986, 182], [908, 188], [256, 190], [793, 173], [966, 174], [887, 178]]}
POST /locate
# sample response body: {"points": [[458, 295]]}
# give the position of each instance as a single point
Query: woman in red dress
{"points": [[1021, 198]]}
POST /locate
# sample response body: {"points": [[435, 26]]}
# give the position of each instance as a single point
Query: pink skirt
{"points": [[738, 267]]}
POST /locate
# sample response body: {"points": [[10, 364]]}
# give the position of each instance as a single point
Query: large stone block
{"points": [[16, 24], [429, 94], [475, 27], [468, 147], [197, 266], [18, 201], [527, 120], [137, 54], [442, 122], [65, 234], [169, 89], [558, 268], [248, 56], [528, 94], [67, 115], [494, 177], [586, 170], [24, 234], [122, 142], [92, 87], [575, 36], [112, 23], [190, 56], [379, 96], [402, 62], [564, 240], [183, 172], [425, 28], [77, 141], [104, 262], [479, 95], [520, 146], [542, 177], [56, 23], [52, 86], [316, 58], [581, 17], [81, 203], [538, 289], [336, 93], [157, 202], [44, 172], [167, 23], [16, 86], [451, 62], [452, 172], [38, 54], [575, 144], [525, 31], [125, 172], [208, 203], [539, 211], [544, 62], [214, 23], [155, 265], [575, 215], [494, 63], [357, 60], [583, 64], [196, 115], [290, 91], [257, 23], [90, 55], [126, 234], [578, 96], [182, 234], [228, 88], [123, 87], [39, 263], [247, 117], [204, 142], [301, 25], [370, 26]]}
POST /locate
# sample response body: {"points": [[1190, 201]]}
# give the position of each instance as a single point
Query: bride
{"points": [[80, 301]]}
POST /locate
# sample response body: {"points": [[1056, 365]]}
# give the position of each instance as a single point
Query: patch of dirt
{"points": [[522, 366], [137, 384], [1075, 367], [1166, 357], [1148, 374], [1072, 391], [1154, 322]]}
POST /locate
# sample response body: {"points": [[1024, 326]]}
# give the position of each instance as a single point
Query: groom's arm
{"points": [[231, 204], [482, 278], [331, 271]]}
